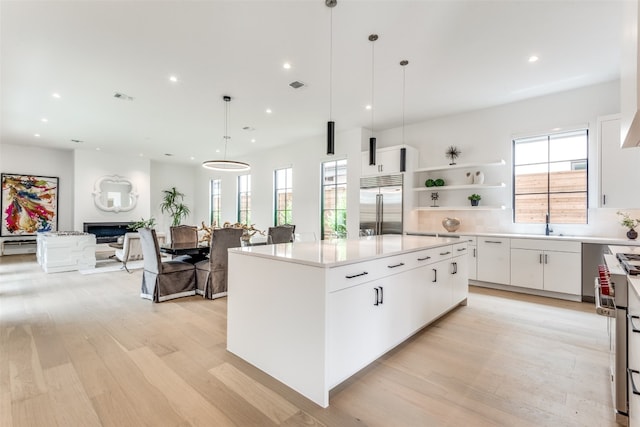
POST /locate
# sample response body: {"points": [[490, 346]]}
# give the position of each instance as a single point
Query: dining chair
{"points": [[211, 274], [185, 234], [282, 233], [162, 281]]}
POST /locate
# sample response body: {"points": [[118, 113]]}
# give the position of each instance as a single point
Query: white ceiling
{"points": [[464, 55]]}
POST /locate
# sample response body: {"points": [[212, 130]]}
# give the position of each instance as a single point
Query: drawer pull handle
{"points": [[400, 264], [435, 275], [493, 241], [634, 328], [377, 296], [356, 275], [630, 372], [462, 249], [445, 253], [424, 259]]}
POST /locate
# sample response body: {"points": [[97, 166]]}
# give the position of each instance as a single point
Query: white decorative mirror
{"points": [[114, 194]]}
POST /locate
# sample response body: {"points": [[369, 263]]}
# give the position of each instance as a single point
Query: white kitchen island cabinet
{"points": [[311, 314]]}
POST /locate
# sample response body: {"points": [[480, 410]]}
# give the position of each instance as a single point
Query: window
{"points": [[216, 200], [550, 177], [334, 199], [244, 199], [283, 196]]}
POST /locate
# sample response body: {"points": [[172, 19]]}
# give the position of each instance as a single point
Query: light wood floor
{"points": [[86, 350]]}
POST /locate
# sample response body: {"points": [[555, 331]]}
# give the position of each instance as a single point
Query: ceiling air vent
{"points": [[296, 85], [122, 96]]}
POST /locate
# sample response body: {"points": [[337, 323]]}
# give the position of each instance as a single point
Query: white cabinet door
{"points": [[355, 317], [527, 268], [619, 168], [493, 260], [441, 295], [365, 321], [387, 162], [459, 281], [563, 272]]}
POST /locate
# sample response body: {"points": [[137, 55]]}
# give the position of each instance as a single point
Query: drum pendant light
{"points": [[403, 150], [224, 164], [372, 140], [331, 125]]}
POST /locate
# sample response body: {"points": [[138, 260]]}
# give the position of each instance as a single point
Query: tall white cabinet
{"points": [[619, 168]]}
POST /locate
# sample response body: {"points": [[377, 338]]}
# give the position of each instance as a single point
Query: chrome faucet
{"points": [[547, 230]]}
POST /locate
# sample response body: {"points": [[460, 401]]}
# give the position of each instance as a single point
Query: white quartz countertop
{"points": [[333, 253], [603, 240]]}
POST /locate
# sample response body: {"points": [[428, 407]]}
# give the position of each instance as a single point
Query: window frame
{"points": [[288, 198], [549, 163], [215, 201], [338, 212], [243, 190]]}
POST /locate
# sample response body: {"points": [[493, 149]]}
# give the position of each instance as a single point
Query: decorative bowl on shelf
{"points": [[451, 224]]}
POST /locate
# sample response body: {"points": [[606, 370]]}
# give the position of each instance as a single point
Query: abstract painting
{"points": [[29, 204]]}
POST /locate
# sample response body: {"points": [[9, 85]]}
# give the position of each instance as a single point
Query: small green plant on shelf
{"points": [[475, 199]]}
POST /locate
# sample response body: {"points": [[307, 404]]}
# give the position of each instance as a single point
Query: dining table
{"points": [[196, 250]]}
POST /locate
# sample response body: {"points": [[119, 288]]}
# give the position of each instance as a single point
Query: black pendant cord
{"points": [[331, 126], [372, 139]]}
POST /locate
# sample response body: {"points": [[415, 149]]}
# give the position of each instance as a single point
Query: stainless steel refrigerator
{"points": [[381, 205]]}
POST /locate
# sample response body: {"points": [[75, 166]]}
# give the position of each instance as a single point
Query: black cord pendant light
{"points": [[331, 125], [224, 164], [372, 139], [403, 150]]}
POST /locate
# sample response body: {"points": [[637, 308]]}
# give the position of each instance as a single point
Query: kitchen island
{"points": [[311, 314]]}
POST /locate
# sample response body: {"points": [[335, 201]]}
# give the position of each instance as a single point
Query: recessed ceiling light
{"points": [[97, 148], [368, 107], [533, 58], [286, 66], [44, 120], [141, 155], [37, 135], [192, 158], [173, 79], [218, 150], [56, 95], [268, 111], [253, 140]]}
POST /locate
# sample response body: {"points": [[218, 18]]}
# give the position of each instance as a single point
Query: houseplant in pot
{"points": [[630, 223], [173, 205], [475, 199]]}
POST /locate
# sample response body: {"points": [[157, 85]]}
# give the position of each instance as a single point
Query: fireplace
{"points": [[106, 232]]}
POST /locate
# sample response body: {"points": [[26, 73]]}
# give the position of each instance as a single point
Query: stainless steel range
{"points": [[630, 263], [612, 301]]}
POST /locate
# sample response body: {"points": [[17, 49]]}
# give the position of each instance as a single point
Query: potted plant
{"points": [[475, 199], [142, 223], [630, 223], [172, 204]]}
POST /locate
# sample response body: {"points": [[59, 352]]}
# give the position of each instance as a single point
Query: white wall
{"points": [[486, 136], [44, 162], [305, 157], [185, 179], [89, 166]]}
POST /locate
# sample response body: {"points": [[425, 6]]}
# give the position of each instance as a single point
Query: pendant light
{"points": [[372, 140], [403, 150], [224, 164], [331, 125]]}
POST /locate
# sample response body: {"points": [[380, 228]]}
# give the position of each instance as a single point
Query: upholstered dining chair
{"points": [[282, 233], [132, 248], [167, 280], [185, 234], [211, 274]]}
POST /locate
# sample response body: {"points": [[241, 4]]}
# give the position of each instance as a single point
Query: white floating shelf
{"points": [[460, 166], [460, 187], [462, 208]]}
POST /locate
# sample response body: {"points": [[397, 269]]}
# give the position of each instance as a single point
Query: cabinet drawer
{"points": [[459, 249], [354, 274], [546, 245], [429, 256], [471, 240]]}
